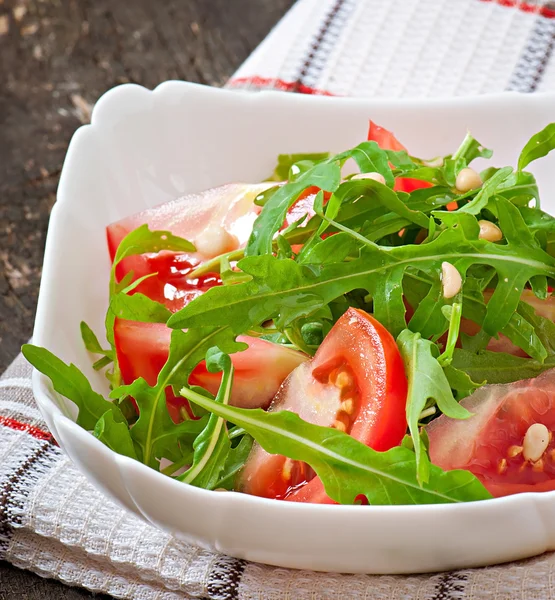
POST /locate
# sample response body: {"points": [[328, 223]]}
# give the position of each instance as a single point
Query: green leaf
{"points": [[471, 149], [347, 467], [70, 382], [426, 381], [453, 314], [91, 341], [286, 161], [499, 367], [212, 446], [538, 146], [370, 158], [326, 176], [143, 240], [154, 432], [486, 192], [460, 382], [115, 434], [234, 463], [138, 307], [283, 290]]}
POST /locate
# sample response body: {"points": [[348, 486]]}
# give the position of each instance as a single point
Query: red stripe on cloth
{"points": [[30, 429], [277, 84], [544, 11]]}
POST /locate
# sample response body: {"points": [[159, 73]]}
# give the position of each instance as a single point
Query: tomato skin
{"points": [[489, 444], [357, 342], [387, 141]]}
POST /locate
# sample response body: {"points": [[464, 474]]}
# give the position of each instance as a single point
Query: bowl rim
{"points": [[40, 384]]}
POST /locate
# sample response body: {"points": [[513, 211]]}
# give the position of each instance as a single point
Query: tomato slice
{"points": [[491, 443], [216, 221], [356, 382], [142, 350], [387, 141]]}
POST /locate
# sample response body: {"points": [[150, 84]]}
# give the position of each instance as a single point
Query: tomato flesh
{"points": [[490, 443], [356, 382]]}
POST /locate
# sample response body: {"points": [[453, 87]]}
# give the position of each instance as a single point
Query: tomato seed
{"points": [[344, 380], [502, 466], [340, 426], [514, 451], [287, 469], [538, 466], [348, 406]]}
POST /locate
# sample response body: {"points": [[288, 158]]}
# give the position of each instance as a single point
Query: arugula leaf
{"points": [[154, 432], [143, 240], [347, 467], [453, 314], [234, 463], [538, 146], [138, 307], [486, 192], [91, 341], [286, 161], [426, 381], [460, 382], [113, 432], [498, 367], [471, 149], [212, 445], [283, 290], [70, 382], [370, 158], [326, 176]]}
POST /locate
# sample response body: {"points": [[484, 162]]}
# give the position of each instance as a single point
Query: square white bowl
{"points": [[146, 147]]}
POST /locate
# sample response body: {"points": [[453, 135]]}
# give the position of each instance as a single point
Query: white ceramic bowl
{"points": [[145, 147]]}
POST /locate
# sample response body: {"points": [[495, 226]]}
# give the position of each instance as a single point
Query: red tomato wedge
{"points": [[216, 221], [497, 444], [387, 141], [142, 350], [356, 382]]}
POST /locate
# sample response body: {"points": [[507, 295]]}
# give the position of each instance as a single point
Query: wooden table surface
{"points": [[56, 58]]}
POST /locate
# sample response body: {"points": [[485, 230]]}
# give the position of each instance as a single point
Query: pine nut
{"points": [[451, 280], [214, 241], [373, 175], [434, 163], [535, 442], [468, 179], [489, 231]]}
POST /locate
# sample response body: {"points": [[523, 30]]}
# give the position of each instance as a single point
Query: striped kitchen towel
{"points": [[53, 522]]}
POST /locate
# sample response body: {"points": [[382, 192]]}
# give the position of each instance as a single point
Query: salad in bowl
{"points": [[363, 328]]}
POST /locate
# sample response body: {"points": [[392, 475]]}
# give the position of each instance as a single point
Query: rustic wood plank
{"points": [[56, 58]]}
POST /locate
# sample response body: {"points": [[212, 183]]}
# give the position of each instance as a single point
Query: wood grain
{"points": [[56, 58]]}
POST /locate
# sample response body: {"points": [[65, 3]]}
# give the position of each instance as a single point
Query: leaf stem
{"points": [[214, 264]]}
